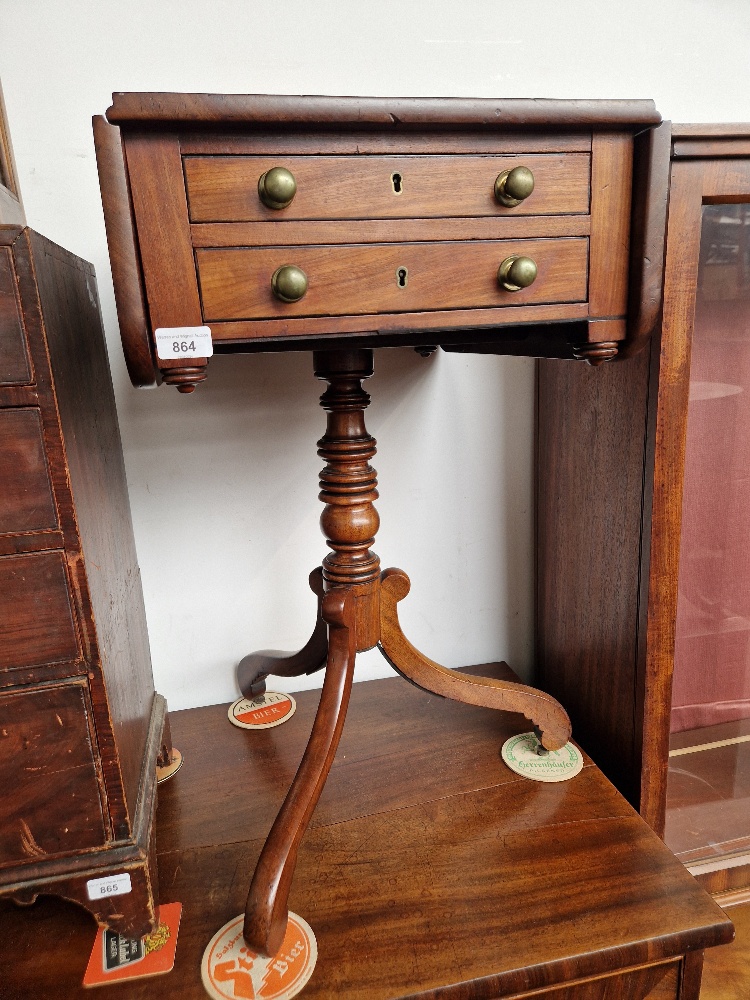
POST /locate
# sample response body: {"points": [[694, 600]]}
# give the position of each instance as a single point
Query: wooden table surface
{"points": [[428, 862]]}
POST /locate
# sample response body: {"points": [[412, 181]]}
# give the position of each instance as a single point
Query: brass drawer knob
{"points": [[516, 272], [277, 187], [289, 283], [514, 186]]}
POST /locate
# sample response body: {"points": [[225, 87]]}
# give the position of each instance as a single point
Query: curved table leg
{"points": [[253, 669], [548, 715], [266, 913]]}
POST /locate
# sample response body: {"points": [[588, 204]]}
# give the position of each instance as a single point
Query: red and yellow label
{"points": [[231, 971], [114, 957], [264, 712]]}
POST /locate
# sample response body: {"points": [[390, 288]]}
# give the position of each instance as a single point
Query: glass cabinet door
{"points": [[708, 783]]}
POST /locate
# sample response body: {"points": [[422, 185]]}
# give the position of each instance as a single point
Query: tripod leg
{"points": [[547, 714], [266, 913], [253, 669]]}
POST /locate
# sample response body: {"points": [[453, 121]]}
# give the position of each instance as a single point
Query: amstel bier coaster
{"points": [[174, 765], [520, 754], [114, 957], [230, 970], [264, 712]]}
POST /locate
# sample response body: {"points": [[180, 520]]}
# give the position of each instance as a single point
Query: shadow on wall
{"points": [[224, 486]]}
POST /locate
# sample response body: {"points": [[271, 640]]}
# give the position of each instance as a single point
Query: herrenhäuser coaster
{"points": [[114, 957], [230, 970], [520, 754], [174, 765], [264, 712]]}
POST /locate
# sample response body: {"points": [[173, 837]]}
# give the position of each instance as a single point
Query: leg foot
{"points": [[548, 715], [253, 669], [266, 913]]}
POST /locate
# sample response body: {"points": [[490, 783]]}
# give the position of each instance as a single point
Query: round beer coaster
{"points": [[519, 753], [264, 712], [230, 970], [174, 765]]}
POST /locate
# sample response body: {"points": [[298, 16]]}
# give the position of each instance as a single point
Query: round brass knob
{"points": [[277, 187], [289, 283], [516, 272], [514, 186]]}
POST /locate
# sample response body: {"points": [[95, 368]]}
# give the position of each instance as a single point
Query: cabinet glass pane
{"points": [[708, 788]]}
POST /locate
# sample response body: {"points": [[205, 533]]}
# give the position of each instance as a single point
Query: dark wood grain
{"points": [[547, 716], [726, 971], [123, 253], [681, 270], [26, 503], [611, 182], [225, 188], [494, 887], [355, 279], [451, 321], [35, 608], [72, 609], [352, 140], [30, 723], [648, 234], [279, 233], [392, 113], [166, 256], [590, 460], [266, 909], [15, 367], [105, 566], [717, 148], [253, 669]]}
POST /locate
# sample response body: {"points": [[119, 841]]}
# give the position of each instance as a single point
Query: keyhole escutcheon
{"points": [[397, 183], [402, 276]]}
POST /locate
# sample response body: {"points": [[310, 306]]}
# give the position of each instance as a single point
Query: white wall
{"points": [[223, 482]]}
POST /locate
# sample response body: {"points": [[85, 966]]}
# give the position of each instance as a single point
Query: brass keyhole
{"points": [[402, 276], [397, 184]]}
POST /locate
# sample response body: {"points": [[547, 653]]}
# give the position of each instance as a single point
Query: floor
{"points": [[726, 973], [413, 867]]}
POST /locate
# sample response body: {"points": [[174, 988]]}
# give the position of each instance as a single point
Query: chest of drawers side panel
{"points": [[105, 567]]}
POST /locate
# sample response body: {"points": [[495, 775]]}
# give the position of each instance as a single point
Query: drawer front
{"points": [[15, 367], [35, 612], [225, 188], [26, 502], [50, 803], [406, 277]]}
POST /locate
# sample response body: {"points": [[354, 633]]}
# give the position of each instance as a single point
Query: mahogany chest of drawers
{"points": [[80, 724]]}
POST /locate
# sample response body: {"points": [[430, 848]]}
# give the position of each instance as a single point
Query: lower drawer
{"points": [[356, 279], [50, 802]]}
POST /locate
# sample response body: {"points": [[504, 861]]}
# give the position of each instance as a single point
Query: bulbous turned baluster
{"points": [[348, 487]]}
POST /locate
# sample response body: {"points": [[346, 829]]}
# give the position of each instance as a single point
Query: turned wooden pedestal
{"points": [[357, 609]]}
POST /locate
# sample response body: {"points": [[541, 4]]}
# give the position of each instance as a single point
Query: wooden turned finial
{"points": [[597, 353], [186, 379]]}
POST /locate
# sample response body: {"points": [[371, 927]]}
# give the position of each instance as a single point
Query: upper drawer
{"points": [[225, 188]]}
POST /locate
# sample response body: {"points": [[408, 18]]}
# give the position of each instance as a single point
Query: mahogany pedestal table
{"points": [[244, 223]]}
